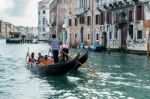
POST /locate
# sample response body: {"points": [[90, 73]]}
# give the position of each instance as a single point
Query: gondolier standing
{"points": [[55, 46]]}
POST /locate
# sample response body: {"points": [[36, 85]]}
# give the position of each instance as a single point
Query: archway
{"points": [[104, 39]]}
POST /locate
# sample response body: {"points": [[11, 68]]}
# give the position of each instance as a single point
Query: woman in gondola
{"points": [[64, 50], [31, 58]]}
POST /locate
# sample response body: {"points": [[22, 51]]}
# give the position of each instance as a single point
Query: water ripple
{"points": [[120, 76]]}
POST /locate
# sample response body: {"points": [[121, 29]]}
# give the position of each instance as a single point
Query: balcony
{"points": [[126, 2], [111, 5], [81, 10], [122, 18], [120, 3], [101, 7], [105, 6], [136, 1], [116, 4]]}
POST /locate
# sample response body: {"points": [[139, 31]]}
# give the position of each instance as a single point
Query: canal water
{"points": [[115, 76]]}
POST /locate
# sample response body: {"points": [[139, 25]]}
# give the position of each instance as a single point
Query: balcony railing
{"points": [[115, 4], [81, 10]]}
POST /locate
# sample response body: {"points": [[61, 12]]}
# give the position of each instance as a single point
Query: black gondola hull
{"points": [[83, 58], [55, 69]]}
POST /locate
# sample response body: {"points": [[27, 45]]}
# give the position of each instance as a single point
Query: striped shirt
{"points": [[54, 44]]}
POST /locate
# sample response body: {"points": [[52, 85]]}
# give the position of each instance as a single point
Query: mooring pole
{"points": [[148, 46]]}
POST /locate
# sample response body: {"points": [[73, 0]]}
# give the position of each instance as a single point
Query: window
{"points": [[139, 34], [88, 36], [75, 35], [115, 32], [81, 20], [97, 19], [70, 22], [88, 20], [109, 17], [43, 29], [43, 11], [139, 12], [131, 31], [76, 22], [110, 35], [43, 21], [130, 16], [97, 36], [102, 19], [116, 18], [101, 28]]}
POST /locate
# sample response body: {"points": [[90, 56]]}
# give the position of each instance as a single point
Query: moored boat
{"points": [[54, 69], [97, 48], [34, 41], [14, 37]]}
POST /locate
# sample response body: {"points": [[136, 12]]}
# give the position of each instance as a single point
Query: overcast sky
{"points": [[19, 12]]}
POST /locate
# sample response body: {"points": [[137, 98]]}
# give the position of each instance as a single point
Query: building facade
{"points": [[124, 23], [116, 24], [27, 33], [43, 20], [81, 25], [59, 10], [7, 27]]}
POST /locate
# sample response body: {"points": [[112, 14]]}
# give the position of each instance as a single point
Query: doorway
{"points": [[104, 39], [81, 34], [123, 28]]}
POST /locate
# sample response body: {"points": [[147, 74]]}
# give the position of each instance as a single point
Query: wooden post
{"points": [[148, 46]]}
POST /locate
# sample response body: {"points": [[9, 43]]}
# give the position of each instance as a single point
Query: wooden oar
{"points": [[88, 67], [48, 52], [27, 53]]}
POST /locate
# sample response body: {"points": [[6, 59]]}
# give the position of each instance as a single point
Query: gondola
{"points": [[83, 58], [55, 69]]}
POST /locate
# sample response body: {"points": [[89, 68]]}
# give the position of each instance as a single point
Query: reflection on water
{"points": [[121, 76]]}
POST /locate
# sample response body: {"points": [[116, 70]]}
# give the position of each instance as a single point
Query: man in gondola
{"points": [[55, 46], [39, 57]]}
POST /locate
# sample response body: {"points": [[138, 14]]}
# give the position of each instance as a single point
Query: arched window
{"points": [[44, 12]]}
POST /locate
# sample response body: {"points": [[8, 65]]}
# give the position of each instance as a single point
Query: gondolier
{"points": [[55, 46]]}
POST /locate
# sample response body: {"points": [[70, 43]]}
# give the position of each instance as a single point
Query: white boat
{"points": [[34, 41]]}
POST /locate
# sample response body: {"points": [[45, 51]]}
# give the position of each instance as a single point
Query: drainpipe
{"points": [[57, 19], [92, 24]]}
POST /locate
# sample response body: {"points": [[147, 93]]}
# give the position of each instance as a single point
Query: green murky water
{"points": [[120, 76]]}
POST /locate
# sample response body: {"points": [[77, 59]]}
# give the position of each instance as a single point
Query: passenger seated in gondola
{"points": [[31, 58], [46, 61], [39, 57]]}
